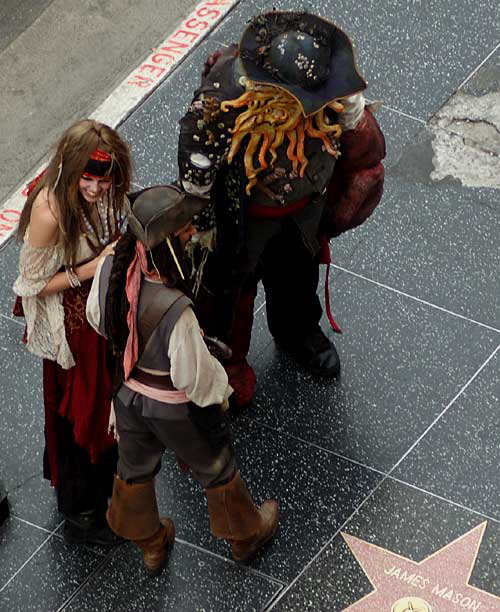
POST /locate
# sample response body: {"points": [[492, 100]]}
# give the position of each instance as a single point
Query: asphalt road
{"points": [[59, 59]]}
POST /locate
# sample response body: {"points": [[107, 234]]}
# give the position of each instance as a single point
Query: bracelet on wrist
{"points": [[73, 279]]}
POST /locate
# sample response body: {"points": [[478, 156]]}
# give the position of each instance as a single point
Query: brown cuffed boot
{"points": [[133, 515], [234, 517], [155, 548]]}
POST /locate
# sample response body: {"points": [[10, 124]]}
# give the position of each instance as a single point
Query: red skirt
{"points": [[80, 395]]}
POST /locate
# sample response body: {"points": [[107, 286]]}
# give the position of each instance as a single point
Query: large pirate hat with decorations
{"points": [[158, 212], [308, 56]]}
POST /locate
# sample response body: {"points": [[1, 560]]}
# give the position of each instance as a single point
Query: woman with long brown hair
{"points": [[71, 220]]}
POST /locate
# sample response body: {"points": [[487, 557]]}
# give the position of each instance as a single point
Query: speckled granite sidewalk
{"points": [[388, 479]]}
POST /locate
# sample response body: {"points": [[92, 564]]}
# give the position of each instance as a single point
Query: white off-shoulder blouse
{"points": [[44, 315]]}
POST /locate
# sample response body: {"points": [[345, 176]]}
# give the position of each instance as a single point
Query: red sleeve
{"points": [[357, 182]]}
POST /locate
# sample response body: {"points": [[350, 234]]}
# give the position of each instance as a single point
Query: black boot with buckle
{"points": [[316, 353]]}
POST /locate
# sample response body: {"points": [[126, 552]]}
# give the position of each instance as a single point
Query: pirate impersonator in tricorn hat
{"points": [[172, 390]]}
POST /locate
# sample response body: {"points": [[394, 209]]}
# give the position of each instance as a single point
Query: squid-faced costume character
{"points": [[278, 137], [169, 389]]}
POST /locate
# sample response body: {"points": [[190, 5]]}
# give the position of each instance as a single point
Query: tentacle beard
{"points": [[271, 114]]}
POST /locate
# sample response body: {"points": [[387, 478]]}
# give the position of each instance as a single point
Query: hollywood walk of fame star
{"points": [[439, 583]]}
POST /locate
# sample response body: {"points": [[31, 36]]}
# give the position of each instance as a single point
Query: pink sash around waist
{"points": [[167, 396]]}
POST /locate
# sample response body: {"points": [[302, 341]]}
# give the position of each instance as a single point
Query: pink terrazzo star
{"points": [[439, 583]]}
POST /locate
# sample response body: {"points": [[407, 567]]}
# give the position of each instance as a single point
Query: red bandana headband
{"points": [[99, 166]]}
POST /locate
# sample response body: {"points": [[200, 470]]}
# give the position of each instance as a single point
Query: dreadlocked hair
{"points": [[271, 114], [117, 304]]}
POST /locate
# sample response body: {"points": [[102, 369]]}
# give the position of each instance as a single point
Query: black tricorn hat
{"points": [[306, 55], [158, 212]]}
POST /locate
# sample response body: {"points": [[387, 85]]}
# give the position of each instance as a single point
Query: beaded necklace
{"points": [[102, 234]]}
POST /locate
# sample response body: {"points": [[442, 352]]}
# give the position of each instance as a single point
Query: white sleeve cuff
{"points": [[354, 107]]}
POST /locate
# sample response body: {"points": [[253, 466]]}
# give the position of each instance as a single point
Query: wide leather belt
{"points": [[157, 381]]}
